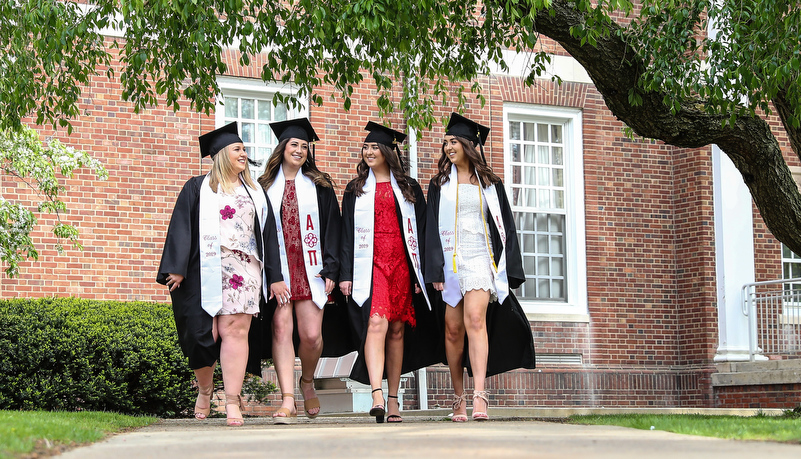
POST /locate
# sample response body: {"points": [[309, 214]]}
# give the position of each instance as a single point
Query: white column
{"points": [[734, 255]]}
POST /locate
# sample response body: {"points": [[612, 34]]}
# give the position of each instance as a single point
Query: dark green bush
{"points": [[73, 354]]}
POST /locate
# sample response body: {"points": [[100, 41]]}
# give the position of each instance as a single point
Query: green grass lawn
{"points": [[22, 432], [785, 428]]}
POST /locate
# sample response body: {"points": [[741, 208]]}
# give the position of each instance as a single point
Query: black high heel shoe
{"points": [[378, 410]]}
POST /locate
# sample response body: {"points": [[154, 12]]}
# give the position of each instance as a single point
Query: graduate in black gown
{"points": [[308, 226], [471, 221], [220, 257], [384, 222]]}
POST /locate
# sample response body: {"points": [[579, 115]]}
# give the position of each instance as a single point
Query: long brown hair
{"points": [[309, 168], [395, 168], [485, 175]]}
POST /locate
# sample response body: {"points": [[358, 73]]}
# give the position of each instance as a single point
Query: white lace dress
{"points": [[473, 263]]}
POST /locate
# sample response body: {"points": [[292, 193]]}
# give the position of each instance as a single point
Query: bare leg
{"points": [[454, 352], [233, 356], [205, 382], [374, 354], [475, 321], [284, 353], [310, 330], [394, 364]]}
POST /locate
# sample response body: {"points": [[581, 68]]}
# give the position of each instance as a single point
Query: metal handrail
{"points": [[749, 307]]}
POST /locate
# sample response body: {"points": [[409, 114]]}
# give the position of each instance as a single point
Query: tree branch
{"points": [[615, 69]]}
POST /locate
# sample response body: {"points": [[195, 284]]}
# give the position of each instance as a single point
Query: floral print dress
{"points": [[241, 268]]}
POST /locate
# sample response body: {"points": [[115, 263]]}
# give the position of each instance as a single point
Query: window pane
{"points": [[544, 288], [231, 107], [279, 113], [517, 175], [556, 224], [558, 199], [543, 266], [514, 130], [247, 132], [556, 133], [528, 131], [530, 154], [248, 110], [556, 245], [557, 266], [264, 110], [557, 158], [542, 133], [542, 222], [531, 197], [517, 196], [530, 265], [543, 155], [543, 176], [515, 152], [557, 289], [558, 177], [264, 133], [531, 178], [528, 243]]}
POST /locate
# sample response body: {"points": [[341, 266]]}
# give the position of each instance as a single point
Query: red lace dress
{"points": [[290, 222], [392, 296]]}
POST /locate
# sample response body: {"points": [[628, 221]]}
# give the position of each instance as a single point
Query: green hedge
{"points": [[73, 354]]}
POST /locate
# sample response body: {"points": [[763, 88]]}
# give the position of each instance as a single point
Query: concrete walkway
{"points": [[418, 437]]}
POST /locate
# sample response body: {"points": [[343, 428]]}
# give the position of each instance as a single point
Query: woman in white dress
{"points": [[481, 264]]}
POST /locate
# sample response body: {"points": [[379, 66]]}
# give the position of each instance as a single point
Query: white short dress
{"points": [[474, 267]]}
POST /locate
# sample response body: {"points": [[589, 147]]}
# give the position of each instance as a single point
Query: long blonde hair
{"points": [[222, 168]]}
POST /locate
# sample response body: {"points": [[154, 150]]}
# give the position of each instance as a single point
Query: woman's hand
{"points": [[174, 281], [439, 286], [329, 285], [417, 288], [281, 292], [346, 286]]}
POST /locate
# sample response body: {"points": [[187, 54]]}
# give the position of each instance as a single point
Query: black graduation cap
{"points": [[383, 135], [216, 140], [470, 130], [298, 128]]}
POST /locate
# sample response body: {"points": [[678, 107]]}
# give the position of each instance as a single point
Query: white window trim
{"points": [[576, 308], [250, 87]]}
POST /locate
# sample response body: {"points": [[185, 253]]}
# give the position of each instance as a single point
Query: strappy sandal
{"points": [[480, 415], [457, 402], [311, 403], [378, 410], [288, 415], [393, 418], [207, 392], [236, 400]]}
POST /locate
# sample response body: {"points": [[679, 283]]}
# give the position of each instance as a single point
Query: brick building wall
{"points": [[652, 330]]}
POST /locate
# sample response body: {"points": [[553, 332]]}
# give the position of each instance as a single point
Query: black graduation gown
{"points": [[181, 255], [423, 345], [511, 343], [336, 334]]}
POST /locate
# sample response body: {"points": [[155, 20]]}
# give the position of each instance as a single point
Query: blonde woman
{"points": [[220, 256]]}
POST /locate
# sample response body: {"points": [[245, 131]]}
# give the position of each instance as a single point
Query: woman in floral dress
{"points": [[217, 263]]}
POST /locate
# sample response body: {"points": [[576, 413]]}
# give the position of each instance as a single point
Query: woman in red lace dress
{"points": [[383, 218]]}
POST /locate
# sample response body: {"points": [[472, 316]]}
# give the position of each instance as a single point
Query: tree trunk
{"points": [[615, 68]]}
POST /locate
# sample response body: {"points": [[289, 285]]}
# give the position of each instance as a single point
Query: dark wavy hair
{"points": [[395, 168], [309, 168], [485, 175]]}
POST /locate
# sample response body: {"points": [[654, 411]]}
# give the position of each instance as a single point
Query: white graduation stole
{"points": [[309, 220], [209, 241], [364, 222], [452, 294]]}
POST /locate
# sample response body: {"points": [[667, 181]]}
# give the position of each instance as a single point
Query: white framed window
{"points": [[544, 179], [249, 102]]}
